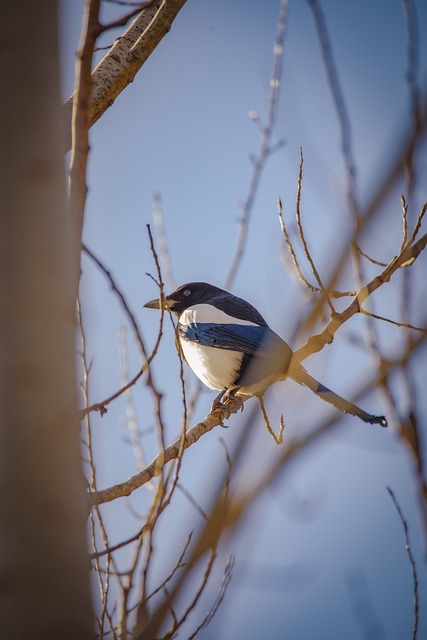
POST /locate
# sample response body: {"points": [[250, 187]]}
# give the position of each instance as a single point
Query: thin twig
{"points": [[120, 295], [303, 240], [126, 591], [365, 255], [80, 117], [208, 539], [289, 244], [340, 106], [411, 561], [265, 144], [404, 221], [95, 515], [164, 254], [326, 336], [301, 277], [101, 406], [228, 572], [418, 223], [412, 57], [397, 324], [131, 420], [382, 187], [279, 438], [126, 3], [178, 565], [415, 95], [123, 20]]}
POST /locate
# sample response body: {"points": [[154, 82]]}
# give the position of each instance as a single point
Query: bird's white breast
{"points": [[216, 368]]}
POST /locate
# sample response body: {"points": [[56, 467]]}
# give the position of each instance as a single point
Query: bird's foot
{"points": [[227, 401]]}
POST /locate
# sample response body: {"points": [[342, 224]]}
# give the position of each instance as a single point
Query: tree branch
{"points": [[120, 65], [80, 118], [215, 418], [317, 342], [155, 467]]}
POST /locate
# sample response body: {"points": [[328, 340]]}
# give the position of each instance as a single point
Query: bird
{"points": [[230, 347]]}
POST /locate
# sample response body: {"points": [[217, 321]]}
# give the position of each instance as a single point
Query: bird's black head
{"points": [[186, 296]]}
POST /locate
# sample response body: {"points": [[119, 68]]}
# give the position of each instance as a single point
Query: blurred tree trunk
{"points": [[44, 583]]}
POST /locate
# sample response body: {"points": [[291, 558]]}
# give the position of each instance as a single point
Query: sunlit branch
{"points": [[298, 270], [127, 55], [326, 336], [304, 242]]}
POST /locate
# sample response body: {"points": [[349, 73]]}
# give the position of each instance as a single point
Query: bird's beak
{"points": [[156, 304], [153, 304]]}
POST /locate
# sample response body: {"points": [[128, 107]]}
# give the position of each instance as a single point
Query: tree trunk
{"points": [[44, 583]]}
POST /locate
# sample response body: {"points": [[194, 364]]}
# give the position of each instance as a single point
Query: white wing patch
{"points": [[208, 313]]}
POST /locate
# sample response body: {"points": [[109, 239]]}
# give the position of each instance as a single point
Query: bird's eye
{"points": [[186, 293]]}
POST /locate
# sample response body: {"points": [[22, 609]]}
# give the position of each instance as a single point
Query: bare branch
{"points": [[164, 255], [413, 55], [80, 117], [178, 565], [412, 139], [303, 240], [228, 572], [404, 221], [412, 73], [123, 20], [411, 561], [213, 420], [131, 420], [216, 417], [265, 144], [130, 315], [301, 277], [397, 324], [340, 106], [95, 518], [121, 64], [277, 439], [126, 3], [317, 342], [418, 223], [365, 255], [299, 273], [101, 406]]}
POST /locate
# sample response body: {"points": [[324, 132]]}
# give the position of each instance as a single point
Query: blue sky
{"points": [[326, 541]]}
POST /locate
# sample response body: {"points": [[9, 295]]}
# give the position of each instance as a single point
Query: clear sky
{"points": [[322, 554]]}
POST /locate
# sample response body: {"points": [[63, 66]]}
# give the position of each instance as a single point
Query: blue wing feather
{"points": [[249, 339]]}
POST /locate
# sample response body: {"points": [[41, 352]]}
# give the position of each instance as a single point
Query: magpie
{"points": [[231, 348]]}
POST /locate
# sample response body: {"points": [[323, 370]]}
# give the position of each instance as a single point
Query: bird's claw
{"points": [[227, 401], [218, 406]]}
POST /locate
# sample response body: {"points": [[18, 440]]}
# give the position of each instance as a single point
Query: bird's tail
{"points": [[300, 375]]}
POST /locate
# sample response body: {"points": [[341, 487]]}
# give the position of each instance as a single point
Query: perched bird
{"points": [[231, 348]]}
